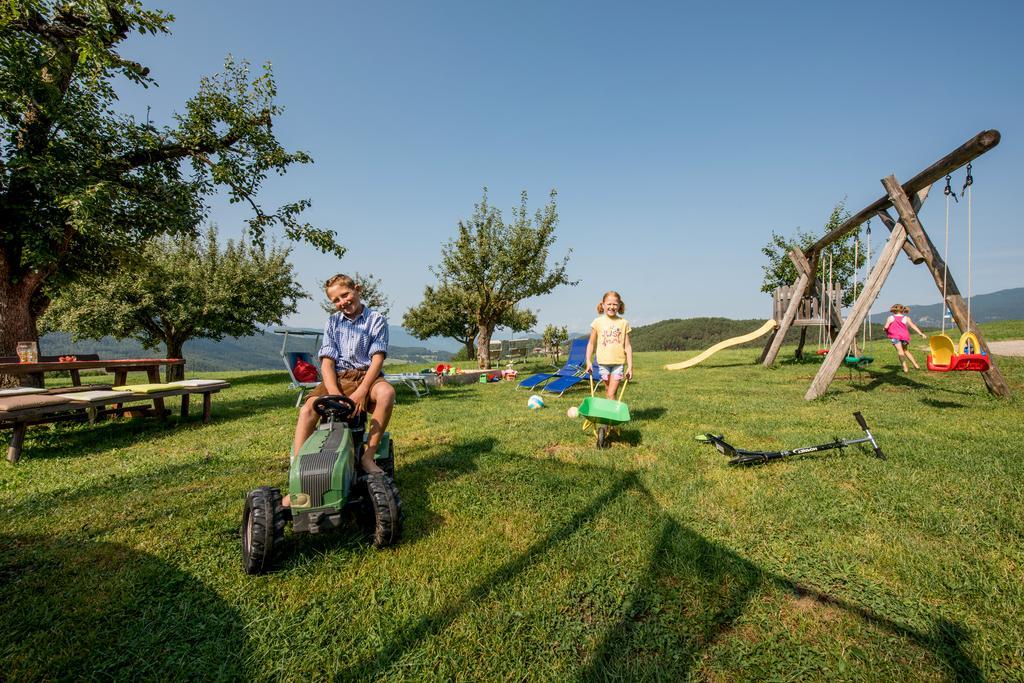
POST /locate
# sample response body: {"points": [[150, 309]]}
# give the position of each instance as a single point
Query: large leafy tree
{"points": [[83, 187], [839, 256], [844, 258], [447, 311], [181, 288], [500, 264]]}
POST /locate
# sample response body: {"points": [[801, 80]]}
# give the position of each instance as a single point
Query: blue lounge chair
{"points": [[560, 384], [574, 366]]}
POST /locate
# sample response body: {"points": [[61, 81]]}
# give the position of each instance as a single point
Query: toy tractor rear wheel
{"points": [[381, 513], [263, 521], [602, 437]]}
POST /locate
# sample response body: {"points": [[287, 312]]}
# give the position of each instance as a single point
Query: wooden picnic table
{"points": [[82, 404], [119, 367]]}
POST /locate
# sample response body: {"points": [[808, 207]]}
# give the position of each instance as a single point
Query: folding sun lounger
{"points": [[560, 384], [290, 358], [574, 369]]}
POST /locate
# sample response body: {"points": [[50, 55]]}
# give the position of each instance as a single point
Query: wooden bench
{"points": [[18, 412]]}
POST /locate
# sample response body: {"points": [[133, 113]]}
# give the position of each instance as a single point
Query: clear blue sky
{"points": [[678, 135]]}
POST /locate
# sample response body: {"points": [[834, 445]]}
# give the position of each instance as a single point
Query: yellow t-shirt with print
{"points": [[611, 339]]}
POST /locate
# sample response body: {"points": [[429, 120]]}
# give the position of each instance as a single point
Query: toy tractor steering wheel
{"points": [[334, 406]]}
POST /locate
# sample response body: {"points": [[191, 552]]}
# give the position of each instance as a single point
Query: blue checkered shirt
{"points": [[352, 343]]}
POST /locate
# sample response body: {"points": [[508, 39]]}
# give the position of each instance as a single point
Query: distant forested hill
{"points": [[696, 333], [258, 352], [1006, 304], [692, 334]]}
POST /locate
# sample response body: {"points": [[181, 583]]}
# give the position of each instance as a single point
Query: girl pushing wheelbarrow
{"points": [[609, 338]]}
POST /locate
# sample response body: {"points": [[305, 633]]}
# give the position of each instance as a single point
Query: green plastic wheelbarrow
{"points": [[604, 415]]}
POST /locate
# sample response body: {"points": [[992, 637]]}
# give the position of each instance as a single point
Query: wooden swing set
{"points": [[906, 235]]}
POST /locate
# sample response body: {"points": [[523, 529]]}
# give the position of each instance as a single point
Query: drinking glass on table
{"points": [[28, 352]]}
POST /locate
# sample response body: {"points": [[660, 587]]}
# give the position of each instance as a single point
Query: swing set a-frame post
{"points": [[906, 235]]}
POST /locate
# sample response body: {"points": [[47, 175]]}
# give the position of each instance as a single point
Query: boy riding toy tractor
{"points": [[325, 481]]}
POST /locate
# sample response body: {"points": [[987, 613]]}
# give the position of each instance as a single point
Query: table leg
{"points": [[76, 380], [158, 403], [207, 400], [17, 439], [120, 378], [184, 406]]}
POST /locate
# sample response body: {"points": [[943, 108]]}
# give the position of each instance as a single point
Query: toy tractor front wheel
{"points": [[263, 521], [381, 513]]}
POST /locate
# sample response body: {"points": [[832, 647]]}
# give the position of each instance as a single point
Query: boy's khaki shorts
{"points": [[348, 382]]}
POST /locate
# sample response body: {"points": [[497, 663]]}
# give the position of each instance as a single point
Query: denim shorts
{"points": [[900, 342], [614, 371]]}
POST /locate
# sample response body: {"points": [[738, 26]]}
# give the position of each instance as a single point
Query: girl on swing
{"points": [[897, 329]]}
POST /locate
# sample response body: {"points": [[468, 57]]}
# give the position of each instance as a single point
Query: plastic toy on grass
{"points": [[534, 402], [325, 481], [604, 415]]}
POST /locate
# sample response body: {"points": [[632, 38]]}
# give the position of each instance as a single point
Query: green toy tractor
{"points": [[325, 484]]}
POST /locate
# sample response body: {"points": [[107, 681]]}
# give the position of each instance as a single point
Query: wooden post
{"points": [[153, 373], [207, 400], [184, 406], [803, 269], [17, 439], [994, 381], [908, 247], [861, 308]]}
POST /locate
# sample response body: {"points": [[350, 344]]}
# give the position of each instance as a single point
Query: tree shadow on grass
{"points": [[77, 609], [77, 439], [934, 403], [413, 482], [690, 596]]}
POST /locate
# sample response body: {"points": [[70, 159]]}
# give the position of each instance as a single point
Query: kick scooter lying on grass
{"points": [[739, 456]]}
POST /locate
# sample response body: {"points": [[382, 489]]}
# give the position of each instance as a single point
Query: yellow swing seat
{"points": [[965, 356], [942, 351]]}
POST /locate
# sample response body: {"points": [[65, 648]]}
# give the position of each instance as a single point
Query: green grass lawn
{"points": [[529, 554]]}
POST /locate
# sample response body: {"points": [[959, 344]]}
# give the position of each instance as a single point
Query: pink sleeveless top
{"points": [[898, 329]]}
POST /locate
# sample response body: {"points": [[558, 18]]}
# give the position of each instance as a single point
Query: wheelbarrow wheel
{"points": [[602, 437]]}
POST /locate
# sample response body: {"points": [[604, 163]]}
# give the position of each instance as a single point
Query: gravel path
{"points": [[1013, 347]]}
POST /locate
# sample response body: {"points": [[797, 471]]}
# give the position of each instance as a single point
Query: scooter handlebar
{"points": [[864, 425]]}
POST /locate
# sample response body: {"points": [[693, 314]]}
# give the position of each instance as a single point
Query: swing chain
{"points": [[968, 181], [948, 191]]}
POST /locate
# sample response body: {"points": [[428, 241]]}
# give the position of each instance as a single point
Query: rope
{"points": [[867, 268], [830, 302], [968, 185], [945, 255]]}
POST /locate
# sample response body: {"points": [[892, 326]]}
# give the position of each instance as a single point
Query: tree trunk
{"points": [[483, 347], [17, 324], [800, 347], [470, 347], [174, 373]]}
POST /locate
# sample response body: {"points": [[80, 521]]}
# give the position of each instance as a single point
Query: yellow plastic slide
{"points": [[768, 326]]}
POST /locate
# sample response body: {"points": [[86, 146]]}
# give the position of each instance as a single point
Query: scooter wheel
{"points": [[381, 516], [602, 437], [263, 521]]}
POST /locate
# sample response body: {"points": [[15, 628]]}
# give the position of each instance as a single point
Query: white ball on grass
{"points": [[573, 411], [535, 402]]}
